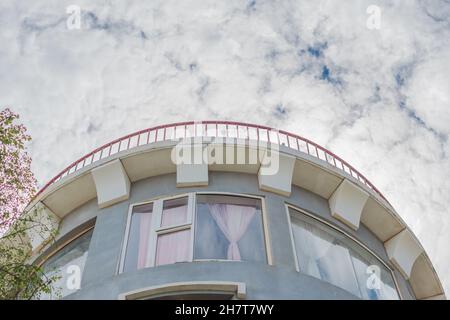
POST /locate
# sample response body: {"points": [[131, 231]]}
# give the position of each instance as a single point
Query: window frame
{"points": [[121, 264], [157, 229], [304, 212], [160, 230]]}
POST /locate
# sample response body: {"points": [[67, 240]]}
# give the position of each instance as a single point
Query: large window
{"points": [[67, 266], [331, 256], [194, 227], [229, 228]]}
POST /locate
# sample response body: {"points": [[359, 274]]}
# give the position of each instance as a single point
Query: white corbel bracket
{"points": [[192, 169], [112, 183], [275, 173], [403, 250], [347, 203]]}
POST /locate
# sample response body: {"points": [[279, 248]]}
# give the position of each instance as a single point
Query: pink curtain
{"points": [[173, 247], [233, 221], [144, 229], [174, 216]]}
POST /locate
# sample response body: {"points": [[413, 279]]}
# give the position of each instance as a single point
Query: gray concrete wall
{"points": [[279, 281], [77, 217]]}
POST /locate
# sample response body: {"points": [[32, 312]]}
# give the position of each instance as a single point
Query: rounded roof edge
{"points": [[212, 128]]}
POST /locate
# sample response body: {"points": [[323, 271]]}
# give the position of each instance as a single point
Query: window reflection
{"points": [[329, 255], [67, 266]]}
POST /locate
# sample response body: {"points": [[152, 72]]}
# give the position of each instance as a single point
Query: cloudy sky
{"points": [[379, 98]]}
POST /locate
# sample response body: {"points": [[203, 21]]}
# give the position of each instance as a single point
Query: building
{"points": [[225, 210]]}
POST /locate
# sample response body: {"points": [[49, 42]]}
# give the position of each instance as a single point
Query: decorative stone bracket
{"points": [[275, 173], [112, 183], [192, 170], [403, 250], [347, 203]]}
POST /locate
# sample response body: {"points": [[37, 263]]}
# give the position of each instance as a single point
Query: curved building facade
{"points": [[224, 210]]}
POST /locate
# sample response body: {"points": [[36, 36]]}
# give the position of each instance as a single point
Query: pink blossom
{"points": [[17, 182]]}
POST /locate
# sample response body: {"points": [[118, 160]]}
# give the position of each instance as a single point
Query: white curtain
{"points": [[321, 255], [174, 216], [311, 244], [317, 241], [145, 220], [233, 221], [173, 247]]}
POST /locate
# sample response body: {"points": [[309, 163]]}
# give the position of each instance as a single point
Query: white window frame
{"points": [[301, 211], [156, 228], [237, 289]]}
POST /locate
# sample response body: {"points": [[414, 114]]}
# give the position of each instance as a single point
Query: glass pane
{"points": [[331, 256], [137, 253], [174, 212], [322, 256], [173, 247], [66, 263], [388, 287], [361, 266], [375, 280], [229, 228]]}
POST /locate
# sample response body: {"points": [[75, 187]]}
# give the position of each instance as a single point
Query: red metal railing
{"points": [[228, 129]]}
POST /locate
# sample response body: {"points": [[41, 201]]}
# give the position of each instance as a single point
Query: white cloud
{"points": [[428, 92], [378, 98]]}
